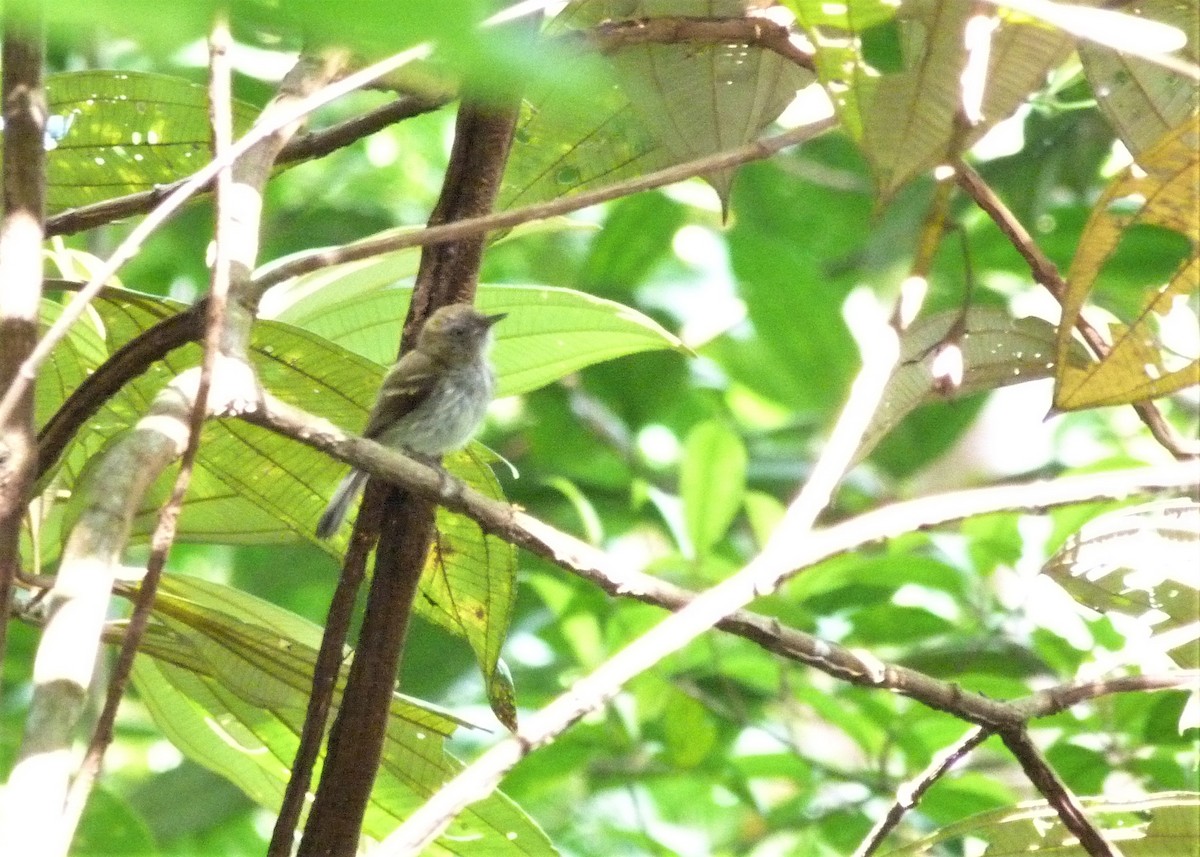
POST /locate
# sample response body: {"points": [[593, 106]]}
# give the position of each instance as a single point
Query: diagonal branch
{"points": [[586, 561], [910, 793], [1047, 274], [1056, 792], [468, 227]]}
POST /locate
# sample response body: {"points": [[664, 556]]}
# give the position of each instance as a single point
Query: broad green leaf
{"points": [[228, 682], [1141, 99], [992, 350], [1154, 353], [1139, 561], [301, 299], [79, 353], [577, 131], [712, 482], [469, 583], [764, 512], [637, 235], [117, 132], [549, 332], [893, 72], [1161, 825], [111, 826]]}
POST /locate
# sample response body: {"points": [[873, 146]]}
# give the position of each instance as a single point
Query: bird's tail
{"points": [[347, 492]]}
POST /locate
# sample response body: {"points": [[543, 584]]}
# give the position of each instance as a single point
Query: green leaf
{"points": [[1161, 825], [469, 583], [712, 482], [642, 106], [1139, 561], [228, 680], [300, 300], [990, 348], [700, 99], [689, 729], [111, 826], [549, 333], [118, 132]]}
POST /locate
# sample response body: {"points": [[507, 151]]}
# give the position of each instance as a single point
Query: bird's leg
{"points": [[449, 488]]}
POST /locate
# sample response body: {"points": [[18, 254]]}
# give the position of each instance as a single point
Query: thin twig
{"points": [[303, 264], [612, 36], [220, 107], [911, 792]]}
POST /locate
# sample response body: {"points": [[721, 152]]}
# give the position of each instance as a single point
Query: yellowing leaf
{"points": [[1162, 187]]}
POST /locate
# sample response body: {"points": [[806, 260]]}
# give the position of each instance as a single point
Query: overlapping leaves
{"points": [[643, 106], [228, 682], [893, 71], [1154, 352]]}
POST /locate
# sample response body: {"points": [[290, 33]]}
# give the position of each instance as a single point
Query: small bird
{"points": [[431, 401]]}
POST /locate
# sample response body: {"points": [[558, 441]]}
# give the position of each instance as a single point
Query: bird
{"points": [[432, 400]]}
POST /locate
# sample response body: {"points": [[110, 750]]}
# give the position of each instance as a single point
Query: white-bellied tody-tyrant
{"points": [[431, 401]]}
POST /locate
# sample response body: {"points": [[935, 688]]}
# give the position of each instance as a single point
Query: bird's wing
{"points": [[399, 397]]}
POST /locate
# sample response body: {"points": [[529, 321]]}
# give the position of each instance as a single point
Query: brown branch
{"points": [[1046, 273], [594, 565], [315, 144], [1056, 792], [910, 793], [448, 274], [1052, 700], [21, 235], [1041, 704], [753, 30], [326, 670]]}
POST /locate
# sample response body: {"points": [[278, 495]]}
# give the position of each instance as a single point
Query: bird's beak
{"points": [[492, 319]]}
